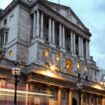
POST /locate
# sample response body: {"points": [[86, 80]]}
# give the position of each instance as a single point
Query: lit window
{"points": [[58, 56], [85, 68], [58, 68], [78, 65], [47, 64], [46, 53], [10, 53], [69, 65]]}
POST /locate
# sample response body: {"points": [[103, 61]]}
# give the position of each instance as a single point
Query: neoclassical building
{"points": [[51, 45]]}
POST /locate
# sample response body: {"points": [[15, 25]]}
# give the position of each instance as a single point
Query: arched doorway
{"points": [[74, 102]]}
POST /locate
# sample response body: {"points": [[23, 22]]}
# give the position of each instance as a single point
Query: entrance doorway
{"points": [[74, 102]]}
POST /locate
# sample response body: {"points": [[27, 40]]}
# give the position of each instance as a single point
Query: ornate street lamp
{"points": [[79, 86], [16, 71]]}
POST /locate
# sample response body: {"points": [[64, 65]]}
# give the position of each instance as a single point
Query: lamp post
{"points": [[79, 87], [16, 72]]}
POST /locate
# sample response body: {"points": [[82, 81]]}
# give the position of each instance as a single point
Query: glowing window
{"points": [[85, 68], [58, 56], [46, 53], [47, 65], [69, 65], [58, 68], [10, 53], [78, 65]]}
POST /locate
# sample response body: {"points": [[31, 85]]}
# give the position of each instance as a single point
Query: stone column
{"points": [[88, 50], [49, 31], [63, 37], [59, 96], [82, 99], [97, 100], [0, 83], [79, 45], [69, 98], [53, 32], [74, 47], [34, 25], [37, 25], [30, 99], [82, 52], [103, 100], [26, 97], [42, 25], [90, 99], [60, 35], [71, 41]]}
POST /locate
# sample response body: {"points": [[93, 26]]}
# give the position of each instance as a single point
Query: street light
{"points": [[79, 87], [16, 71]]}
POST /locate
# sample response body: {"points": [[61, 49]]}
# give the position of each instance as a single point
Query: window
{"points": [[6, 37], [85, 68], [46, 53], [58, 68], [3, 36], [68, 65], [5, 21], [11, 17], [10, 53], [78, 65], [58, 56], [86, 78]]}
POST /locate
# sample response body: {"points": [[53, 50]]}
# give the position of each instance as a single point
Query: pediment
{"points": [[68, 13]]}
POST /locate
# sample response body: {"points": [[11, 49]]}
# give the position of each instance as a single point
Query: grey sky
{"points": [[92, 14]]}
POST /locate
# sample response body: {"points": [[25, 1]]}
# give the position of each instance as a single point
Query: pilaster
{"points": [[70, 97], [103, 100], [59, 96]]}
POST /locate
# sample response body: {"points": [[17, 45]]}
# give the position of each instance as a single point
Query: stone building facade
{"points": [[51, 45]]}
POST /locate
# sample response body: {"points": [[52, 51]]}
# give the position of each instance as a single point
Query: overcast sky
{"points": [[92, 14]]}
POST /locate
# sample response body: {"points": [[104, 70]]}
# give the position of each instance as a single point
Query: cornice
{"points": [[13, 4]]}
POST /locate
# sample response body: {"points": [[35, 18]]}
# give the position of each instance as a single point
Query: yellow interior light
{"points": [[11, 53], [78, 65], [53, 67]]}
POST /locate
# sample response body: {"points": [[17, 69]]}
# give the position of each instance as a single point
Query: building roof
{"points": [[47, 4]]}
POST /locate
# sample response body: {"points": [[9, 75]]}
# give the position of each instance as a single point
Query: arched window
{"points": [[46, 53], [68, 65], [58, 56], [78, 65], [11, 53]]}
